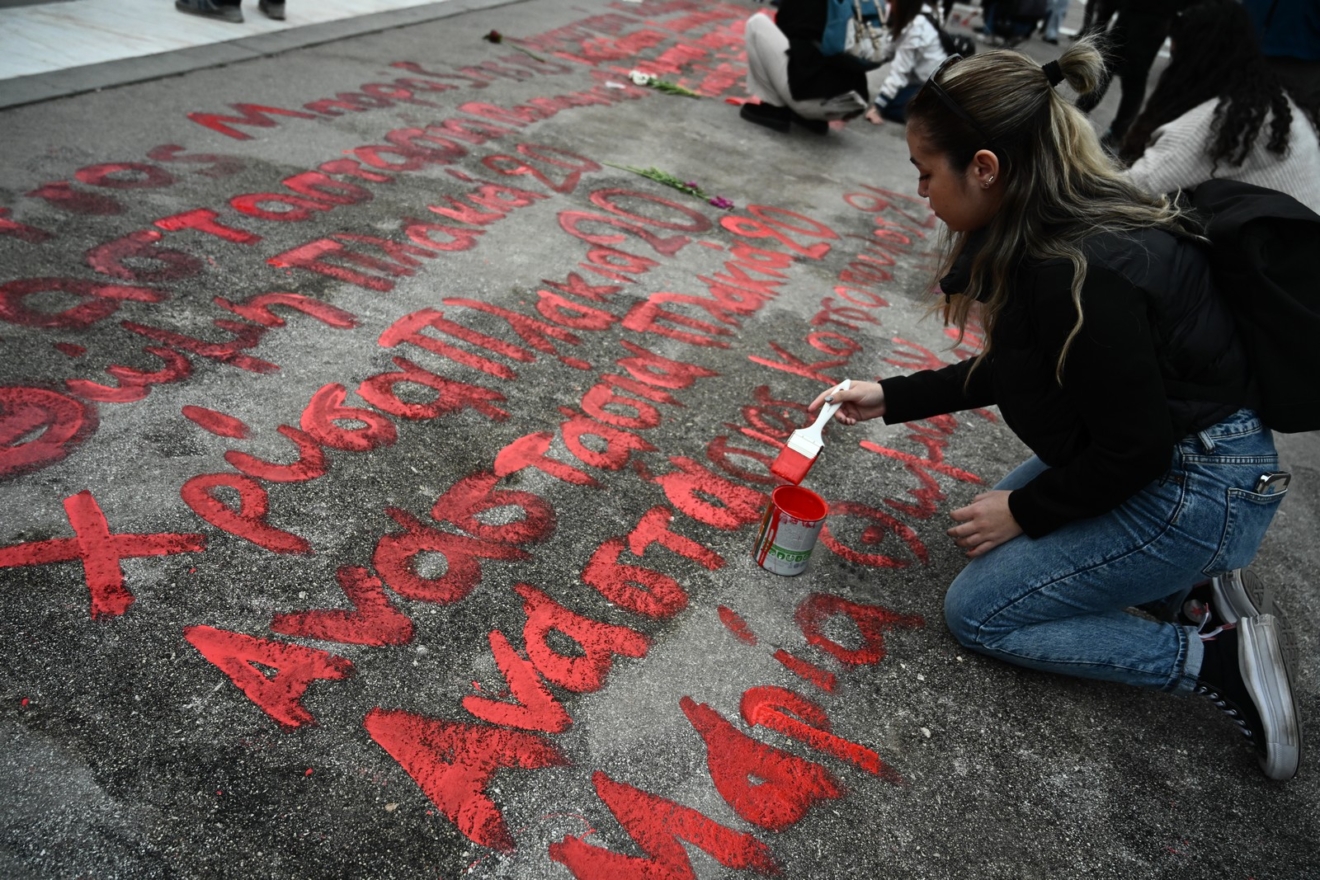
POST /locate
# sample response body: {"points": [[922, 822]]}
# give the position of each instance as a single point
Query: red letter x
{"points": [[100, 552]]}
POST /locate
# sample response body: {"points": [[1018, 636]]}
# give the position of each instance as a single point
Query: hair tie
{"points": [[1053, 73]]}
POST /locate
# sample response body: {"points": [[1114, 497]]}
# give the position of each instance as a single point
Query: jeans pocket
{"points": [[1248, 515]]}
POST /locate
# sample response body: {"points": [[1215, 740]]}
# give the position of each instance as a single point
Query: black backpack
{"points": [[953, 44], [1264, 253]]}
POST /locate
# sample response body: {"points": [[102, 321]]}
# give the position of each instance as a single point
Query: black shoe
{"points": [[778, 118], [1053, 41], [815, 126], [1247, 672], [272, 10], [210, 9]]}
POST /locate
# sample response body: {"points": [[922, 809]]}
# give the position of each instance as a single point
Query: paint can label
{"points": [[792, 522]]}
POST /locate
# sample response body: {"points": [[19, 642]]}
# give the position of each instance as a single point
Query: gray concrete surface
{"points": [[124, 752]]}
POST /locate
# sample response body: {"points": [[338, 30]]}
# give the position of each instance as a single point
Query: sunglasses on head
{"points": [[947, 100]]}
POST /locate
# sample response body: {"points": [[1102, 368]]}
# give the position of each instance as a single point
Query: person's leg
{"points": [[1145, 36], [767, 60], [896, 110], [1054, 19], [767, 79], [1057, 603], [217, 9]]}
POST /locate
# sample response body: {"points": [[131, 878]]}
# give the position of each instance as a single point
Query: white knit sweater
{"points": [[1179, 156]]}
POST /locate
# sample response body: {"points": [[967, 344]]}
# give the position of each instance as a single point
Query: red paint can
{"points": [[789, 529]]}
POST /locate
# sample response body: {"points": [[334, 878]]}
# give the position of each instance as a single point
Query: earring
{"points": [[990, 180]]}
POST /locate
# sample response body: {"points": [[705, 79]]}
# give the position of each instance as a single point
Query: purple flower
{"points": [[692, 184], [494, 37], [722, 203]]}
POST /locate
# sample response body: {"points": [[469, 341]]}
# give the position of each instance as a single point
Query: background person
{"points": [[1134, 42], [1289, 35], [794, 80], [1092, 292], [914, 52], [1220, 110], [229, 10]]}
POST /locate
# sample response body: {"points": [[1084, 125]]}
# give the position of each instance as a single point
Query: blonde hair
{"points": [[1059, 185]]}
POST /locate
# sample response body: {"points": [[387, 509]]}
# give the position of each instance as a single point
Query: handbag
{"points": [[850, 29], [867, 40]]}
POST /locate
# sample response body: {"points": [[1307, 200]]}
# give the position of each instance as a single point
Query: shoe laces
{"points": [[1226, 706], [1202, 614]]}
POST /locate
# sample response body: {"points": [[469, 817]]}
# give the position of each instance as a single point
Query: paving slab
{"points": [[381, 463]]}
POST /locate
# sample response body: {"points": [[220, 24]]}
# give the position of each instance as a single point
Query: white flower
{"points": [[638, 77]]}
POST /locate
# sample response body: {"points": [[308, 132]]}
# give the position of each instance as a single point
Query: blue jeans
{"points": [[896, 109], [1054, 18], [1058, 603]]}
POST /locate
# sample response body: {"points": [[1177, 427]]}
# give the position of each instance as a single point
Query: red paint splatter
{"points": [[68, 348], [795, 716], [600, 642], [821, 678], [244, 658], [536, 707], [871, 622], [249, 520], [736, 625], [23, 703], [453, 763], [785, 786], [39, 427], [100, 551], [307, 772], [658, 826], [373, 621], [216, 422]]}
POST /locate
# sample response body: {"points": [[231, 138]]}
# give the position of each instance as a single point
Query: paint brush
{"points": [[804, 444]]}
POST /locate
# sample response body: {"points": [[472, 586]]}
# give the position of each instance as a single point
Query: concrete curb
{"points": [[94, 77]]}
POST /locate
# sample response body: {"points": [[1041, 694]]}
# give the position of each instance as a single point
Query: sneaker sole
{"points": [[221, 16], [1267, 656], [1239, 594]]}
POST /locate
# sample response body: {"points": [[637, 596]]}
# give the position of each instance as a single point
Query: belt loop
{"points": [[1207, 444]]}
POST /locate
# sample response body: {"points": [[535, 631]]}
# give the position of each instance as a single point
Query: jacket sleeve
{"points": [[1178, 155], [1112, 377], [907, 54], [936, 392]]}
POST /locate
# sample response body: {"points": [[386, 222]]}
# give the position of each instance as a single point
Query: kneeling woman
{"points": [[1092, 293]]}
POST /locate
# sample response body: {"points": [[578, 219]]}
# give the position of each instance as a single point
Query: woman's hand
{"points": [[984, 524], [864, 400], [873, 116]]}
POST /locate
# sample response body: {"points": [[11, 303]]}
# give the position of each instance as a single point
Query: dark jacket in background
{"points": [[1151, 311], [811, 74]]}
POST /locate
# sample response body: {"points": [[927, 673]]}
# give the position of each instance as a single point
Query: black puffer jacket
{"points": [[1151, 312]]}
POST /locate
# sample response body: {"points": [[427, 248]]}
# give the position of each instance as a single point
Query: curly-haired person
{"points": [[1220, 110]]}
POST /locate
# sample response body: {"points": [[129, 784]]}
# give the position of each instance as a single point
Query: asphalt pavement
{"points": [[381, 459]]}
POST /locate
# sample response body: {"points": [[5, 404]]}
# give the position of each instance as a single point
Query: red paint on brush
{"points": [[736, 625], [216, 422], [821, 678], [792, 466]]}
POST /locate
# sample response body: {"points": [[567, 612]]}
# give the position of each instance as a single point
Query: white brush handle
{"points": [[827, 412]]}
